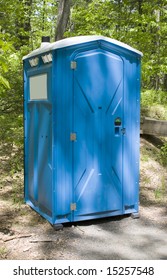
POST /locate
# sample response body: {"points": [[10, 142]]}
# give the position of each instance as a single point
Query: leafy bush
{"points": [[153, 97], [154, 104], [11, 107], [163, 154], [156, 112]]}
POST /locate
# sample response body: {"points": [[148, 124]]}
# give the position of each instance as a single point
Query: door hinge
{"points": [[73, 206], [73, 65], [73, 136]]}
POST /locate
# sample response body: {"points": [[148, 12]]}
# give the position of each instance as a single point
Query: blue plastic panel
{"points": [[82, 136], [38, 149]]}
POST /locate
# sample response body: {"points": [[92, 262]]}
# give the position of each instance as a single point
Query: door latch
{"points": [[123, 130]]}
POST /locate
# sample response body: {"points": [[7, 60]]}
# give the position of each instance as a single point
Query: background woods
{"points": [[141, 24]]}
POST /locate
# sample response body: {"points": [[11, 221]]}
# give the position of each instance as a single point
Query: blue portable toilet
{"points": [[81, 124]]}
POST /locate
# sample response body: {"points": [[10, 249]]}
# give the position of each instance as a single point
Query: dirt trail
{"points": [[31, 237], [25, 235]]}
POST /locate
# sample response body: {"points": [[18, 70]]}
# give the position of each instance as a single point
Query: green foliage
{"points": [[4, 82], [154, 104], [152, 97], [43, 19], [158, 112], [5, 49], [141, 24], [11, 105], [163, 154]]}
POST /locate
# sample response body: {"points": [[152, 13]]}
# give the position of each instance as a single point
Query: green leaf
{"points": [[4, 82]]}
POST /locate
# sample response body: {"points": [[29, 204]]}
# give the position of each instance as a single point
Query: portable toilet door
{"points": [[98, 103], [82, 103]]}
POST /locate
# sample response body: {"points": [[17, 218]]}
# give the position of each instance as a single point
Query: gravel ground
{"points": [[31, 237]]}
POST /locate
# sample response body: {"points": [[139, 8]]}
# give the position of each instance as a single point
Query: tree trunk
{"points": [[165, 82], [62, 19], [23, 24], [43, 16], [140, 2]]}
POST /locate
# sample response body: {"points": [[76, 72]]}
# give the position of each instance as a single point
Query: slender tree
{"points": [[62, 18]]}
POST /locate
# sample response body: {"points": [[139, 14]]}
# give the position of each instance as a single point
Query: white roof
{"points": [[46, 47]]}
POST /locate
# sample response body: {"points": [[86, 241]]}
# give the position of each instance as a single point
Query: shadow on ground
{"points": [[25, 235]]}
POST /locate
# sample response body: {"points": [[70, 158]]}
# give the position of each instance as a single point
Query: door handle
{"points": [[117, 124]]}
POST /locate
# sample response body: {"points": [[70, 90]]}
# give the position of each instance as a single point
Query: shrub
{"points": [[163, 154]]}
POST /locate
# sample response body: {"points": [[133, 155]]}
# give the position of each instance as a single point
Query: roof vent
{"points": [[45, 41]]}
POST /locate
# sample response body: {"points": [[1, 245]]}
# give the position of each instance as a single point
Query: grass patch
{"points": [[3, 253], [148, 152], [161, 191], [163, 154], [17, 193]]}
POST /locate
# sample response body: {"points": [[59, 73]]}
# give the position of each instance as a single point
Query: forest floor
{"points": [[25, 235]]}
